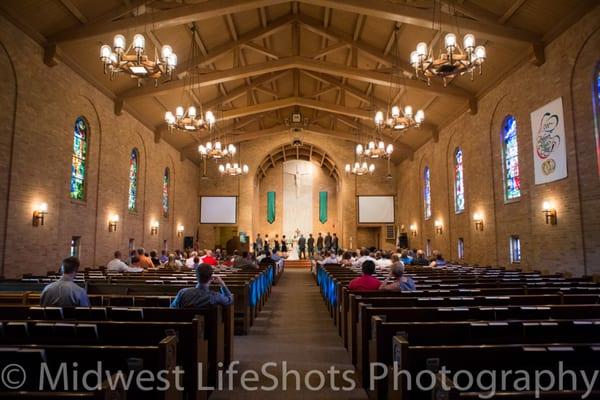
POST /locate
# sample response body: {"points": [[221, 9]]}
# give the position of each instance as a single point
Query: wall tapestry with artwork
{"points": [[549, 145]]}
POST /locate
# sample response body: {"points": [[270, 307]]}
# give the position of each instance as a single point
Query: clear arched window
{"points": [[133, 180], [79, 158], [427, 192], [459, 182], [510, 157], [165, 192]]}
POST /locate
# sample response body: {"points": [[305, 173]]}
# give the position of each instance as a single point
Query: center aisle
{"points": [[294, 327]]}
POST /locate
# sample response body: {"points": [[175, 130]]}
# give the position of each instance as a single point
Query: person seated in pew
{"points": [[405, 258], [396, 279], [164, 258], [346, 259], [209, 258], [267, 260], [330, 258], [154, 258], [117, 265], [438, 261], [383, 260], [366, 281], [420, 259], [242, 261], [201, 295], [135, 266], [190, 261], [64, 292], [173, 263], [365, 255], [145, 261]]}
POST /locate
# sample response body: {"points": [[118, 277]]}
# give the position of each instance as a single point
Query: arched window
{"points": [[427, 192], [133, 180], [510, 157], [459, 181], [165, 192], [79, 159]]}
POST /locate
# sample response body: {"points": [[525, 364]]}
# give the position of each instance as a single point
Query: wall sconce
{"points": [[113, 220], [39, 213], [439, 228], [478, 218], [413, 230], [154, 228], [550, 213], [180, 230]]}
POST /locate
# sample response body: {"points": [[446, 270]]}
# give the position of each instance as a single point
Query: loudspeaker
{"points": [[403, 240]]}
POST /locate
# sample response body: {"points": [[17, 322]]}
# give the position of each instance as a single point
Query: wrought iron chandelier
{"points": [[359, 168], [187, 118], [375, 149], [133, 61], [452, 62], [233, 169], [216, 150], [397, 118]]}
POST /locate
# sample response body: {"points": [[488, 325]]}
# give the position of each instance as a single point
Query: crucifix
{"points": [[297, 176]]}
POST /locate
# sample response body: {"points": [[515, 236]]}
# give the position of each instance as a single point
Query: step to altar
{"points": [[297, 264]]}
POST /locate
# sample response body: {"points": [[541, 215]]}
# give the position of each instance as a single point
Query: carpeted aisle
{"points": [[294, 327]]}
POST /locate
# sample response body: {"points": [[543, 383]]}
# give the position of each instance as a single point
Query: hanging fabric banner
{"points": [[270, 207], [323, 207]]}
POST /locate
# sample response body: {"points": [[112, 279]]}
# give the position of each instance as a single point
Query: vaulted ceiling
{"points": [[263, 59]]}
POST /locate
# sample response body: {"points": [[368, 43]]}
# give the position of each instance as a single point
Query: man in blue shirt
{"points": [[64, 292], [201, 295]]}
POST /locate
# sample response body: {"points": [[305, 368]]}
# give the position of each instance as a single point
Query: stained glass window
{"points": [[165, 193], [510, 156], [427, 192], [133, 180], [79, 159], [459, 182]]}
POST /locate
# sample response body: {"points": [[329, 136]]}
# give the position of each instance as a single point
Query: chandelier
{"points": [[234, 169], [133, 61], [216, 150], [360, 169], [373, 150], [396, 118], [452, 62], [187, 118]]}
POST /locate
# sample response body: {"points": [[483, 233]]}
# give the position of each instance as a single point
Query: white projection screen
{"points": [[218, 210], [376, 210]]}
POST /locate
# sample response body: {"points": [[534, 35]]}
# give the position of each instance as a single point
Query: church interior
{"points": [[316, 199]]}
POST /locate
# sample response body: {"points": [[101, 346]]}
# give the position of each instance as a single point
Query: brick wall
{"points": [[39, 108], [571, 245]]}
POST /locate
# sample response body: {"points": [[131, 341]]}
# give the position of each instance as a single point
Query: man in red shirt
{"points": [[366, 281]]}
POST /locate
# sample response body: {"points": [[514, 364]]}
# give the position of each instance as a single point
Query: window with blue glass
{"points": [[459, 182], [510, 157], [427, 192], [79, 159], [133, 180]]}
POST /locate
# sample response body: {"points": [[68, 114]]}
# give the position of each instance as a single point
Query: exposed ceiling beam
{"points": [[329, 49], [72, 8], [514, 7], [422, 17], [162, 19], [243, 72]]}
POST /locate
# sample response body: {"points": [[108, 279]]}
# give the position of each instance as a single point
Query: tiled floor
{"points": [[295, 328]]}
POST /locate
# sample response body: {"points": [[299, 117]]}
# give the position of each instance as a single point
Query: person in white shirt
{"points": [[383, 261], [330, 258], [116, 264], [364, 256], [190, 261]]}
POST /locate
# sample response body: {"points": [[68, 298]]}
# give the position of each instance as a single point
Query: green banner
{"points": [[270, 207], [323, 207]]}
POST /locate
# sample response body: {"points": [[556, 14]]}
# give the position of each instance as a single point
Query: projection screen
{"points": [[218, 210], [376, 210]]}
